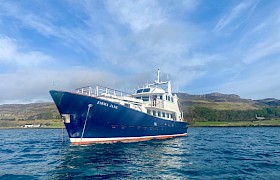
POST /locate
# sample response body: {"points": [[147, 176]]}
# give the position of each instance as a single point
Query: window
{"points": [[160, 97], [138, 97], [168, 98], [127, 105], [146, 90], [158, 113], [154, 113], [139, 90], [148, 111], [167, 115], [163, 114], [145, 98]]}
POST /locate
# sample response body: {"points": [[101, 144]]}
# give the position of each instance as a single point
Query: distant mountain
{"points": [[232, 101], [190, 104], [214, 97], [217, 101], [28, 111], [268, 102], [226, 107]]}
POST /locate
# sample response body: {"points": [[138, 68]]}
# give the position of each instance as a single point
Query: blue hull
{"points": [[111, 121]]}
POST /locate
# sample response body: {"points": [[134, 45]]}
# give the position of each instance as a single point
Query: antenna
{"points": [[158, 75]]}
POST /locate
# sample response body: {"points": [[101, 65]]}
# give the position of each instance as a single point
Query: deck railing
{"points": [[104, 91], [87, 90], [101, 91]]}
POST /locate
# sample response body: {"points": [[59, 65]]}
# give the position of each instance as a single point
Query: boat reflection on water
{"points": [[148, 159]]}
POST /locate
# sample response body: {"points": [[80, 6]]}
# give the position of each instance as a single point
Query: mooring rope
{"points": [[89, 106], [62, 140]]}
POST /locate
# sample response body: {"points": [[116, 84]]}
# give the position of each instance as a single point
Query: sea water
{"points": [[206, 153]]}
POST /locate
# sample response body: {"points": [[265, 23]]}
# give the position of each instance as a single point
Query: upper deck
{"points": [[152, 99]]}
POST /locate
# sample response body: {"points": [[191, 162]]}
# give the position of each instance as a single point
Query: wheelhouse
{"points": [[160, 102]]}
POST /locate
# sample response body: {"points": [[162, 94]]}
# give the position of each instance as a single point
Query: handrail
{"points": [[102, 91], [87, 90]]}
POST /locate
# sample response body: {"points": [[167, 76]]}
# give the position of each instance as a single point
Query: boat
{"points": [[105, 115]]}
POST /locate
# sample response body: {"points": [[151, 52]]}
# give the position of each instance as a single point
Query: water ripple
{"points": [[207, 153]]}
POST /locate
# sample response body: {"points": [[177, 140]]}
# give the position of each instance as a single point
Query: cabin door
{"points": [[154, 99]]}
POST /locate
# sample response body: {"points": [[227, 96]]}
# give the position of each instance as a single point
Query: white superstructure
{"points": [[152, 99], [159, 102]]}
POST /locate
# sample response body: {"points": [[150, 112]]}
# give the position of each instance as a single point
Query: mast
{"points": [[158, 82], [158, 75], [169, 87]]}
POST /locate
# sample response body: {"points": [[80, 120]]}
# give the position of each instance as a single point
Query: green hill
{"points": [[214, 107], [217, 101], [16, 115], [217, 107]]}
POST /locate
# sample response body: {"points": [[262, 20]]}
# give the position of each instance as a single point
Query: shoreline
{"points": [[63, 127], [258, 123], [193, 126], [190, 126]]}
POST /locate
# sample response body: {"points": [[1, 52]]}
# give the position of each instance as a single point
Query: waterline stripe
{"points": [[121, 139]]}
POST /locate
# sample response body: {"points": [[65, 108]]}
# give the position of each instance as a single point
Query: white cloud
{"points": [[261, 82], [11, 53], [188, 5], [31, 85], [154, 38], [7, 49], [236, 15], [168, 45], [263, 39], [40, 23], [129, 40], [262, 51], [138, 15], [45, 24]]}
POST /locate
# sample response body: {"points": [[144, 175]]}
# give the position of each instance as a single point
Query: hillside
{"points": [[227, 107], [268, 102], [207, 107], [28, 111], [16, 115], [220, 101]]}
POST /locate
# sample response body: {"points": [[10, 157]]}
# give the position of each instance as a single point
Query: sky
{"points": [[202, 46]]}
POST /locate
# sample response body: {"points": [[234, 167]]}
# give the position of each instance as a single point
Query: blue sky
{"points": [[206, 46]]}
